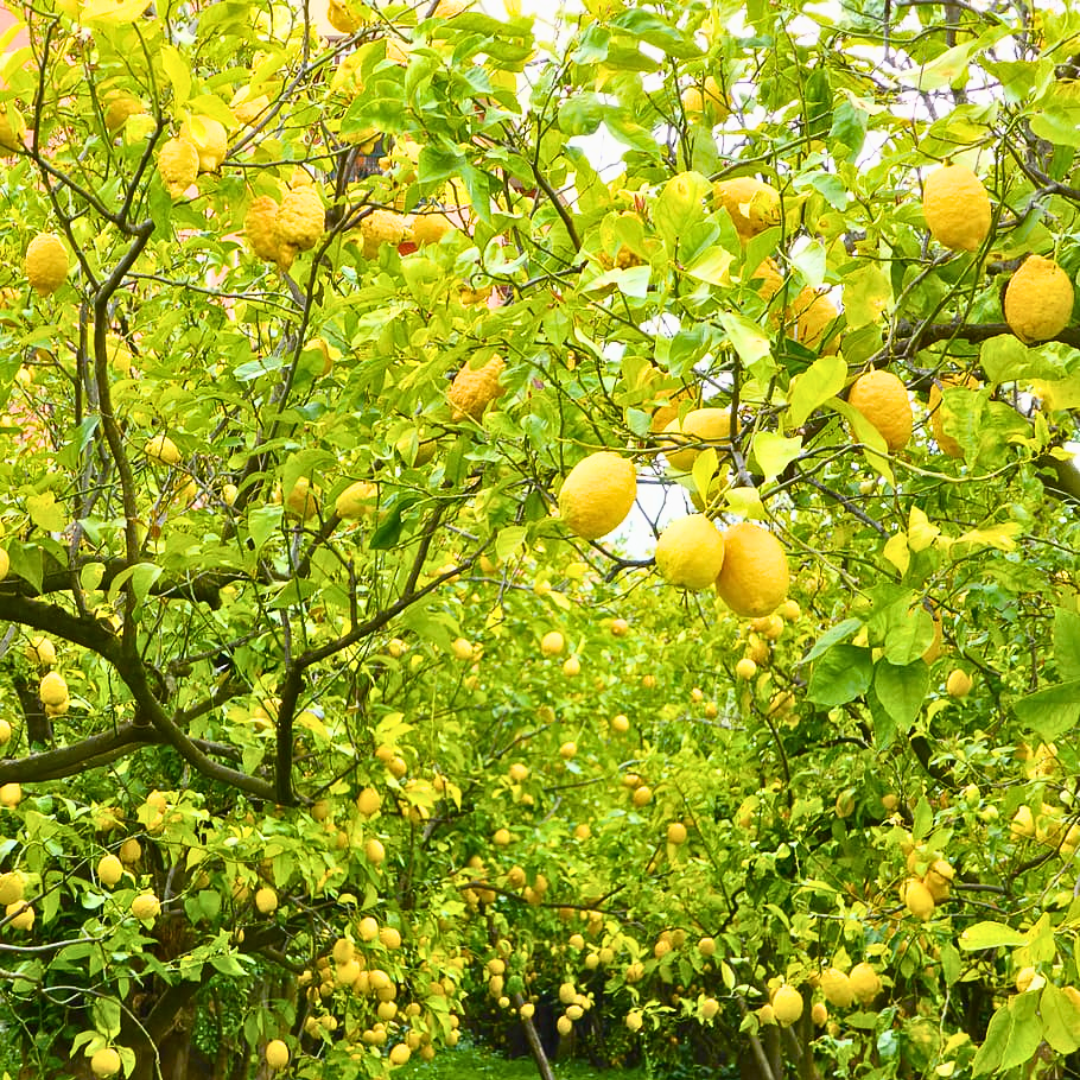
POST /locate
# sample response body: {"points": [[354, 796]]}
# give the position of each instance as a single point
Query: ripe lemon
{"points": [[53, 689], [12, 888], [787, 1005], [597, 495], [474, 389], [46, 263], [676, 833], [178, 164], [956, 207], [209, 139], [266, 900], [883, 399], [552, 643], [1038, 300], [146, 906], [745, 669], [865, 982], [939, 878], [819, 1014], [357, 500], [940, 414], [958, 684], [705, 102], [301, 218], [754, 578], [813, 314], [710, 426], [430, 228], [277, 1054], [837, 988], [917, 899], [110, 870], [162, 450], [690, 552], [105, 1062], [754, 206]]}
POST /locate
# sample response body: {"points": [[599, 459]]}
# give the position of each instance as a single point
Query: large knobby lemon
{"points": [[883, 399], [598, 494], [698, 427], [836, 987], [956, 207], [1038, 300], [690, 552], [754, 578]]}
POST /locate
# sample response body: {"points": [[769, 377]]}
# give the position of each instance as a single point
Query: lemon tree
{"points": [[559, 528]]}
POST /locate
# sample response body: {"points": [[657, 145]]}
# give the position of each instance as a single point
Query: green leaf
{"points": [[867, 296], [923, 820], [680, 205], [509, 541], [848, 129], [901, 689], [713, 266], [822, 380], [840, 675], [909, 636], [869, 436], [774, 453], [177, 72], [107, 1015], [1051, 711], [831, 637], [750, 340], [1061, 1020], [46, 513], [652, 29], [951, 965], [1067, 644], [990, 935], [263, 522], [1012, 1038]]}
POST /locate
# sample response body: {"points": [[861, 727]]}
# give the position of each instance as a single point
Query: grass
{"points": [[470, 1061]]}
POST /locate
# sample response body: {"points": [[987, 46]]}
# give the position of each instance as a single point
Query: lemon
{"points": [[690, 552], [710, 426], [917, 899], [706, 102], [162, 450], [813, 314], [266, 900], [787, 1005], [754, 206], [105, 1062], [261, 228], [745, 669], [430, 228], [130, 851], [474, 389], [552, 643], [956, 207], [110, 870], [1038, 300], [12, 888], [357, 500], [865, 983], [939, 878], [598, 494], [301, 218], [178, 164], [754, 578], [53, 689], [208, 137], [146, 906], [46, 263], [277, 1054], [837, 988], [883, 399], [819, 1014], [958, 684]]}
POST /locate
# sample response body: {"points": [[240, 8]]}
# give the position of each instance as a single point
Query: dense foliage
{"points": [[325, 733]]}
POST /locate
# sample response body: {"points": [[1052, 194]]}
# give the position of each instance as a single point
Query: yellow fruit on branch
{"points": [[301, 219], [110, 870], [957, 208], [53, 689], [261, 228], [105, 1062], [918, 899], [146, 906], [939, 878], [119, 109], [430, 228], [958, 684], [178, 165], [598, 494], [883, 399], [754, 578], [552, 643], [699, 426], [474, 389], [865, 983], [787, 1005], [357, 500], [12, 888], [754, 206], [705, 102], [813, 314], [383, 227], [341, 19], [1038, 300], [266, 900], [690, 553], [837, 988], [209, 138], [302, 500], [46, 263], [12, 128], [277, 1054]]}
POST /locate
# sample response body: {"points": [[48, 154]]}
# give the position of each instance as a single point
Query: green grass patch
{"points": [[471, 1062]]}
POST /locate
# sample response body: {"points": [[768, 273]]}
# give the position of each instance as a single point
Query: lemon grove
{"points": [[449, 586]]}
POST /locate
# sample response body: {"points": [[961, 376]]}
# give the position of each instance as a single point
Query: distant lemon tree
{"points": [[448, 587]]}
